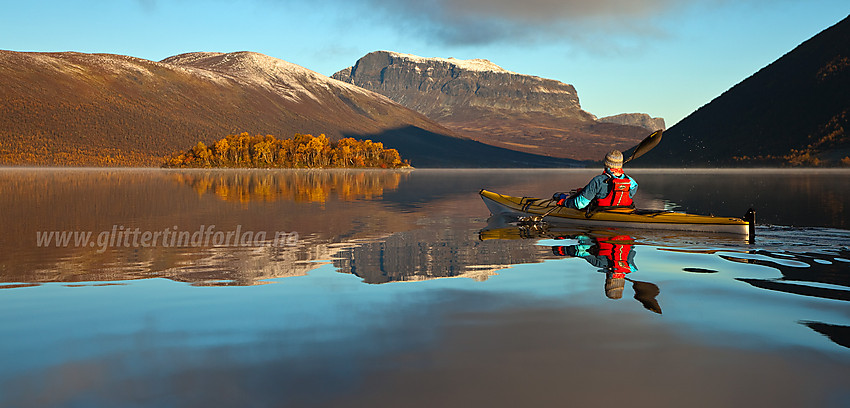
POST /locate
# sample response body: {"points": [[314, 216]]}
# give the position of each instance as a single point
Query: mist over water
{"points": [[398, 288]]}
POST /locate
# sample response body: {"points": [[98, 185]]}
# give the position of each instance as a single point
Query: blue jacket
{"points": [[582, 250], [598, 188]]}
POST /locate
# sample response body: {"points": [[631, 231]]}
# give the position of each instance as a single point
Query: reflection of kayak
{"points": [[505, 227], [621, 217]]}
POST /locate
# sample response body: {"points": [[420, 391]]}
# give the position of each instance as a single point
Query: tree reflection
{"points": [[299, 186]]}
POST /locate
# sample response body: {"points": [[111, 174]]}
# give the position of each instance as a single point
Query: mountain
{"points": [[795, 111], [487, 103], [636, 119], [100, 109]]}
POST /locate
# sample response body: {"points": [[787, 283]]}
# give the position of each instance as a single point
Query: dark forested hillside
{"points": [[795, 111]]}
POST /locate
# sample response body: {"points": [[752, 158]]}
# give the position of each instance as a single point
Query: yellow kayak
{"points": [[618, 218]]}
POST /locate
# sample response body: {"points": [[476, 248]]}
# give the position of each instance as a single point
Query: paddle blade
{"points": [[645, 293], [646, 145]]}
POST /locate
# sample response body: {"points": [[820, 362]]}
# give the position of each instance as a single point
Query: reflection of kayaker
{"points": [[615, 256]]}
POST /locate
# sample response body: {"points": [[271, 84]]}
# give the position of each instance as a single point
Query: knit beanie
{"points": [[614, 159], [614, 287]]}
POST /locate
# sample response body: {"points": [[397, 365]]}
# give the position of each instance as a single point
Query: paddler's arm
{"points": [[598, 261], [582, 249], [633, 188], [631, 260], [588, 193]]}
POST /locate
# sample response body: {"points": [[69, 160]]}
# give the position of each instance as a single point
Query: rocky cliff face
{"points": [[489, 104], [447, 87], [636, 119]]}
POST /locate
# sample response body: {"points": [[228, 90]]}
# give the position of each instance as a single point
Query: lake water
{"points": [[392, 288]]}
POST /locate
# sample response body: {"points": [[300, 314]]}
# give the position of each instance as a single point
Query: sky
{"points": [[662, 57]]}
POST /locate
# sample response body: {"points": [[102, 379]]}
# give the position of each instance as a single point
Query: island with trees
{"points": [[300, 151]]}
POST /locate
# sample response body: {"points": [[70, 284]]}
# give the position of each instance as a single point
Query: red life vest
{"points": [[618, 192], [617, 250]]}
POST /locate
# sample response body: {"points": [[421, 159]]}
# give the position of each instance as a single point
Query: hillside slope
{"points": [[102, 109], [792, 112]]}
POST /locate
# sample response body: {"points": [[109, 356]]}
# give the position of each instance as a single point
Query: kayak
{"points": [[628, 218]]}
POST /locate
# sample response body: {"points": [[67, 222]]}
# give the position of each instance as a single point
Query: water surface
{"points": [[393, 287]]}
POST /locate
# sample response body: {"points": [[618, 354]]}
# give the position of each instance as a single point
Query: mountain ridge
{"points": [[105, 109], [636, 119], [492, 105]]}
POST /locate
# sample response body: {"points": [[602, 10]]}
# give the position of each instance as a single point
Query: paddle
{"points": [[555, 207], [642, 148], [645, 293], [645, 145], [539, 218]]}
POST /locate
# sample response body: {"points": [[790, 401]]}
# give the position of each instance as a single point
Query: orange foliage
{"points": [[40, 152], [301, 151]]}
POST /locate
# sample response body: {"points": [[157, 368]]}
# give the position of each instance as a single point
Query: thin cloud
{"points": [[485, 22], [545, 10], [481, 22], [149, 6]]}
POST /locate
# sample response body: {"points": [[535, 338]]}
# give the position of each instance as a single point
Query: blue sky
{"points": [[662, 57]]}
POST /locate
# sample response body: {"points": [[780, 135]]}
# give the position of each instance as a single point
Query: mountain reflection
{"points": [[816, 272], [340, 217], [838, 334], [437, 251], [292, 185], [798, 269]]}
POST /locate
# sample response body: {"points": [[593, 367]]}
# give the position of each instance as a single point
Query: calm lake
{"points": [[275, 288]]}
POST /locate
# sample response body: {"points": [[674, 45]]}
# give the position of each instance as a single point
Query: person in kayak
{"points": [[612, 188]]}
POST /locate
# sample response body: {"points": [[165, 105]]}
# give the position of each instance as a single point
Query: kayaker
{"points": [[612, 188]]}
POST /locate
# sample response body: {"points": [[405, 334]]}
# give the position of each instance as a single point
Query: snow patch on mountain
{"points": [[477, 64], [551, 90], [71, 63], [289, 80]]}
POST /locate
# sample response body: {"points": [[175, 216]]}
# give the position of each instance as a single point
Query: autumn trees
{"points": [[300, 151]]}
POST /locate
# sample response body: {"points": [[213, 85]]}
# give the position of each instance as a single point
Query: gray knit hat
{"points": [[614, 287], [614, 159]]}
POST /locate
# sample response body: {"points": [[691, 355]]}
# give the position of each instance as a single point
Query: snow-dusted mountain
{"points": [[488, 103], [290, 81], [102, 109]]}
